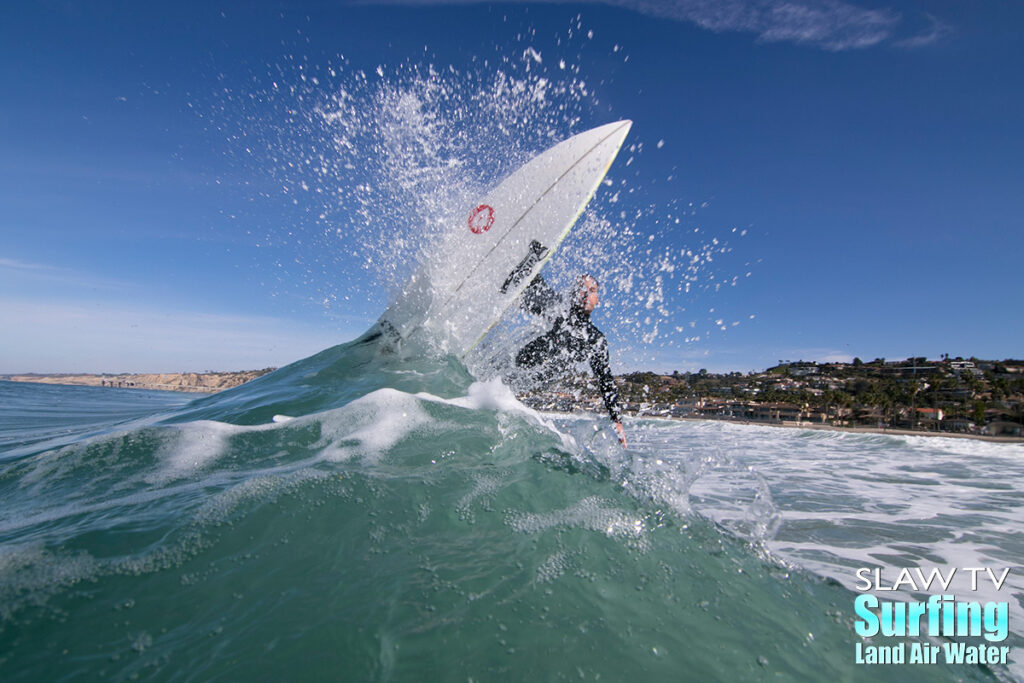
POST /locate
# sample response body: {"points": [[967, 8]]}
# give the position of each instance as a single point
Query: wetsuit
{"points": [[572, 338]]}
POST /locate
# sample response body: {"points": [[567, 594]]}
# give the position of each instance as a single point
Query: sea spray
{"points": [[376, 163]]}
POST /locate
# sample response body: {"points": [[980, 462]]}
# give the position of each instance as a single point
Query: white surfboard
{"points": [[482, 265]]}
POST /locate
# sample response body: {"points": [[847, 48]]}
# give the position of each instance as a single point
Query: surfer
{"points": [[573, 337]]}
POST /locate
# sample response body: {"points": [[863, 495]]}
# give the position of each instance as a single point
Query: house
{"points": [[1000, 428], [803, 369], [776, 412], [957, 424]]}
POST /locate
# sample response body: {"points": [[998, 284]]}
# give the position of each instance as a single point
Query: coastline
{"points": [[188, 382], [214, 382]]}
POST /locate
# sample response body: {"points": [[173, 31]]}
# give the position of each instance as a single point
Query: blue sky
{"points": [[870, 152]]}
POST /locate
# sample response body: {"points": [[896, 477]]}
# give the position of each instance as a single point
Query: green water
{"points": [[387, 534]]}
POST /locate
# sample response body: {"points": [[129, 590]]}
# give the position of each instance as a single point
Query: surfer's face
{"points": [[588, 294]]}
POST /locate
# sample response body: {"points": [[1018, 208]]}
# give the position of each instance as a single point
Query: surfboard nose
{"points": [[614, 132], [616, 127]]}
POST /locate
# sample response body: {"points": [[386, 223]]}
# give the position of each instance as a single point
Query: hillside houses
{"points": [[948, 395]]}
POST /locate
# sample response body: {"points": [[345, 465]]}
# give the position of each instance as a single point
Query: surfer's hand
{"points": [[621, 432]]}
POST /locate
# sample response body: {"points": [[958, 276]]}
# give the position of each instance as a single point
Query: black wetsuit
{"points": [[572, 338]]}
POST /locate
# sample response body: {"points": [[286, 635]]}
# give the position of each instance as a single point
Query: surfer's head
{"points": [[585, 296]]}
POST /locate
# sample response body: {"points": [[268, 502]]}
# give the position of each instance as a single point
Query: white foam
{"points": [[493, 395], [30, 573], [194, 445], [592, 513], [266, 486], [375, 422], [832, 502]]}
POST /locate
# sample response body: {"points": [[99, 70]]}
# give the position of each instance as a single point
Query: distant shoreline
{"points": [[213, 382], [189, 382]]}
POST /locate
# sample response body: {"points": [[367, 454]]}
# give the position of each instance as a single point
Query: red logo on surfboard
{"points": [[481, 219]]}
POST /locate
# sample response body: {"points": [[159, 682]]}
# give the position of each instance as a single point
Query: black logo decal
{"points": [[537, 252]]}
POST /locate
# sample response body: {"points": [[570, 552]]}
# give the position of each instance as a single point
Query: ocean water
{"points": [[367, 517]]}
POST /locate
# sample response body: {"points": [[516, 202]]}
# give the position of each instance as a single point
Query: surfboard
{"points": [[482, 264]]}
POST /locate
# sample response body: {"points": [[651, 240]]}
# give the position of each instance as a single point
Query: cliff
{"points": [[204, 382]]}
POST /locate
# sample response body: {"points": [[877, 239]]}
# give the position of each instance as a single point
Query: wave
{"points": [[398, 521]]}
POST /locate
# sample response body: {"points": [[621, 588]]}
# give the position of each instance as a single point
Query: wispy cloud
{"points": [[22, 270], [14, 264], [935, 32], [827, 24]]}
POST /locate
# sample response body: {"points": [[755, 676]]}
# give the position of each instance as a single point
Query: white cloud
{"points": [[828, 24], [935, 32], [36, 272], [62, 337]]}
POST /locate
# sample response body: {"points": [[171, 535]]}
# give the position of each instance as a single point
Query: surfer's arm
{"points": [[601, 367], [539, 298]]}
